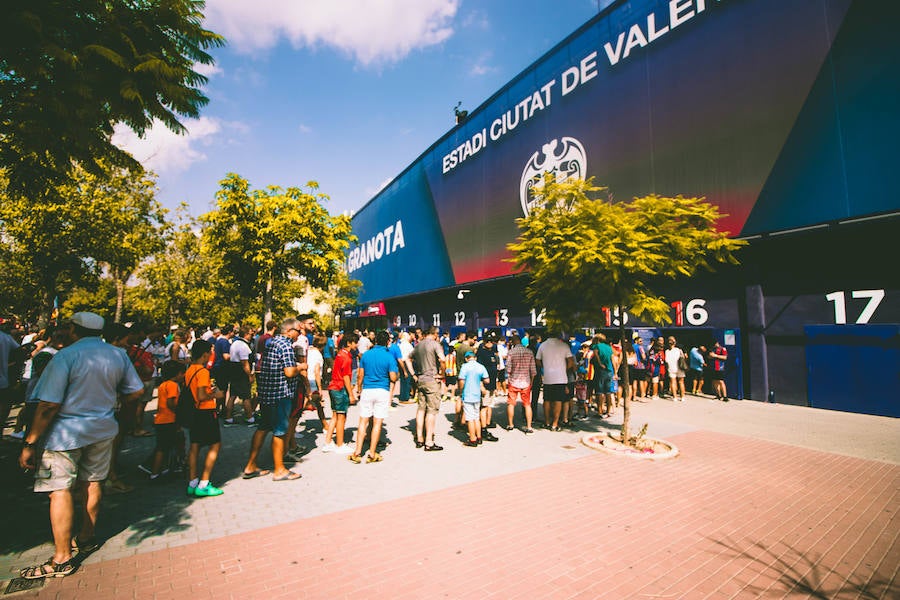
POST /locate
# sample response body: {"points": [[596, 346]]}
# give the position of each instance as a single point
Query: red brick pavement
{"points": [[732, 517]]}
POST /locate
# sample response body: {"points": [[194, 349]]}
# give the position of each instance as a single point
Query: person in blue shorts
{"points": [[472, 376]]}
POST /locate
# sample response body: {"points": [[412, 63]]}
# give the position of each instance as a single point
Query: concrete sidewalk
{"points": [[735, 500]]}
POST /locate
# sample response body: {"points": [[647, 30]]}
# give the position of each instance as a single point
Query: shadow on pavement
{"points": [[803, 574], [152, 509]]}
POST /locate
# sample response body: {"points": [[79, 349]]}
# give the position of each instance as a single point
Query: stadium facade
{"points": [[784, 113]]}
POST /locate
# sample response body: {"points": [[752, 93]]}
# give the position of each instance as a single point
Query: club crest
{"points": [[565, 159]]}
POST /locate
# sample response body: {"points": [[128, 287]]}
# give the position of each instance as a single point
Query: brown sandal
{"points": [[48, 569]]}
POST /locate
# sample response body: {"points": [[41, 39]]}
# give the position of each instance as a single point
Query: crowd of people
{"points": [[85, 385]]}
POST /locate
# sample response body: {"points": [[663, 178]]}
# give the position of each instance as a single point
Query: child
{"points": [[204, 427], [472, 376], [167, 431]]}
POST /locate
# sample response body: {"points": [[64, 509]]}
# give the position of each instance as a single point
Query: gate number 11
{"points": [[840, 304]]}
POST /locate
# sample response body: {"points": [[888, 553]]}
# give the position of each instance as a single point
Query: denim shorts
{"points": [[275, 417], [340, 400]]}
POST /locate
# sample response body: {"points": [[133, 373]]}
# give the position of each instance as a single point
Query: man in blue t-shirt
{"points": [[472, 376], [379, 371]]}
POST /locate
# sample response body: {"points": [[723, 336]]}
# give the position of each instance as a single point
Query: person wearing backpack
{"points": [[204, 427], [168, 434]]}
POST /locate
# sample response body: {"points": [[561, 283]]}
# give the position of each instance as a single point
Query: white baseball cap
{"points": [[88, 320]]}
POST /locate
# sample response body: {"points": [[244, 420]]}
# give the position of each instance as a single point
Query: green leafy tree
{"points": [[69, 71], [97, 296], [19, 288], [97, 222], [129, 224], [49, 242], [181, 283], [343, 292], [267, 237], [582, 253]]}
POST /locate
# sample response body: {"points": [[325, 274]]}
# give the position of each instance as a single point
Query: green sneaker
{"points": [[209, 490], [192, 491]]}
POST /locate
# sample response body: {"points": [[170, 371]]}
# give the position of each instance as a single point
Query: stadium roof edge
{"points": [[584, 26]]}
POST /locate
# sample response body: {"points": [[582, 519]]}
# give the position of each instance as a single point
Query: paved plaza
{"points": [[764, 500]]}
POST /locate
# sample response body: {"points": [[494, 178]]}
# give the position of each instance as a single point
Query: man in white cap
{"points": [[77, 394]]}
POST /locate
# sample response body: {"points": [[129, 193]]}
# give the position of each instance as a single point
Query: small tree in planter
{"points": [[583, 253]]}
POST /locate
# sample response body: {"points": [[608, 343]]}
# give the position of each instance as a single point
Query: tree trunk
{"points": [[120, 280], [268, 300], [46, 309], [626, 390]]}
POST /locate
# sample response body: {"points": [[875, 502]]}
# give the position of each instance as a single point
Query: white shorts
{"points": [[374, 403], [471, 411]]}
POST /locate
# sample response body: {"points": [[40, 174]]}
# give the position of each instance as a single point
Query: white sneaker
{"points": [[329, 447], [18, 435], [345, 449]]}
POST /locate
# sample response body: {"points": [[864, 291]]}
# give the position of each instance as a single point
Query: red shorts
{"points": [[514, 393]]}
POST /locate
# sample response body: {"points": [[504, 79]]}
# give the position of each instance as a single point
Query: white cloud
{"points": [[476, 19], [482, 66], [164, 151], [207, 70], [371, 31], [303, 128]]}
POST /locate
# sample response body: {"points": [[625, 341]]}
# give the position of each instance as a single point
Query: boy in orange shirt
{"points": [[204, 426], [167, 431]]}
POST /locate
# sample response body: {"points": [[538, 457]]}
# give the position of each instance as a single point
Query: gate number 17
{"points": [[840, 304]]}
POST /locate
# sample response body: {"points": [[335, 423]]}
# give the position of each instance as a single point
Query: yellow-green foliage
{"points": [[265, 237], [583, 252]]}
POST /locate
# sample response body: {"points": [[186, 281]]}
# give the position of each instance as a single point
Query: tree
{"points": [[343, 292], [182, 281], [18, 286], [48, 241], [110, 220], [582, 253], [265, 237], [69, 71], [128, 226]]}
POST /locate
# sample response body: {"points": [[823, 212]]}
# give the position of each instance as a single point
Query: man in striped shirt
{"points": [[520, 373]]}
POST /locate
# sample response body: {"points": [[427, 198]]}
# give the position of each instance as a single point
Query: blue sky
{"points": [[343, 92]]}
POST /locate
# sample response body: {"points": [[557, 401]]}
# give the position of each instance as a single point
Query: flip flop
{"points": [[291, 476], [254, 474]]}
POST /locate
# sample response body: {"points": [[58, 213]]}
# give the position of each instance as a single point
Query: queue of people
{"points": [[88, 384]]}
